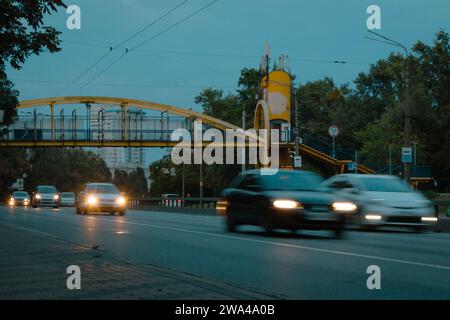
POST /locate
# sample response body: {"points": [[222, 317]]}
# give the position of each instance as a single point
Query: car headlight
{"points": [[373, 217], [91, 200], [55, 197], [429, 219], [287, 204], [121, 201], [38, 196], [344, 206], [11, 201]]}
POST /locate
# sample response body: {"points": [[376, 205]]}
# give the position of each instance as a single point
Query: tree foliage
{"points": [[67, 169], [133, 183], [23, 32]]}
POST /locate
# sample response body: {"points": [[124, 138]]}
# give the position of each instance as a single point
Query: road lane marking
{"points": [[337, 252], [420, 264]]}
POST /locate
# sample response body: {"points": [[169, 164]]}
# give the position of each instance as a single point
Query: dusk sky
{"points": [[174, 67]]}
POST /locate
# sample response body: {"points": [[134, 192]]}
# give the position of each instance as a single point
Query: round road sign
{"points": [[333, 131]]}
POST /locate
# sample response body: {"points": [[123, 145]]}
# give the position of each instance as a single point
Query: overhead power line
{"points": [[225, 55], [137, 85], [121, 43], [154, 37], [151, 24]]}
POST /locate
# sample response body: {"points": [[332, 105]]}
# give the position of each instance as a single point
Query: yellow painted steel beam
{"points": [[217, 123]]}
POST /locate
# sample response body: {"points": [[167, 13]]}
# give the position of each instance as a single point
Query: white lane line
{"points": [[420, 264]]}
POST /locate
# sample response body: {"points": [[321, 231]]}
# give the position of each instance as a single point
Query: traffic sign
{"points": [[333, 131], [20, 184], [406, 154], [297, 161], [351, 166]]}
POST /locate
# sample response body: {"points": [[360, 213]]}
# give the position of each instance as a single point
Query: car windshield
{"points": [[101, 188], [48, 189], [292, 181], [67, 195], [384, 184], [20, 194]]}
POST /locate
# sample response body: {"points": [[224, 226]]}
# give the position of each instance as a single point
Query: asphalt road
{"points": [[307, 265]]}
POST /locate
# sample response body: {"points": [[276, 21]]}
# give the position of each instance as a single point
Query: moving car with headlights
{"points": [[67, 199], [101, 197], [19, 198], [384, 201], [290, 199], [45, 196]]}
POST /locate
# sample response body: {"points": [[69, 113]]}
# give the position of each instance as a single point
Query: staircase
{"points": [[317, 149]]}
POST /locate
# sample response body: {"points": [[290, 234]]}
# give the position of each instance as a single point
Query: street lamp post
{"points": [[406, 98]]}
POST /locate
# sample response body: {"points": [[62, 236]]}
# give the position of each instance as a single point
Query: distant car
{"points": [[101, 197], [290, 199], [45, 196], [384, 201], [67, 199], [19, 198]]}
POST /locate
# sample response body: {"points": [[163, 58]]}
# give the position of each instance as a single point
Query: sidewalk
{"points": [[33, 266]]}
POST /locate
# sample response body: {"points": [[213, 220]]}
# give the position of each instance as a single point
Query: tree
{"points": [[67, 169], [133, 183], [23, 32]]}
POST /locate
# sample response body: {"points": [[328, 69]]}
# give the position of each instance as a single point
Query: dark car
{"points": [[19, 198], [287, 200], [45, 196]]}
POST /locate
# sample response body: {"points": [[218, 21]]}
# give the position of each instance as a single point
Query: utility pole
{"points": [[201, 185], [390, 159], [407, 108], [243, 148], [406, 98], [296, 123]]}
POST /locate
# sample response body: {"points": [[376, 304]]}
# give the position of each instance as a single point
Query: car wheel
{"points": [[267, 224], [78, 211], [231, 223], [55, 207], [122, 213], [338, 233]]}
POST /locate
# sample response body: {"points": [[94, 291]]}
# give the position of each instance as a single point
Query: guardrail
{"points": [[441, 205], [193, 202]]}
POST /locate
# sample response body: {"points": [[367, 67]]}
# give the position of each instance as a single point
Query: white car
{"points": [[67, 199], [101, 197], [384, 201]]}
